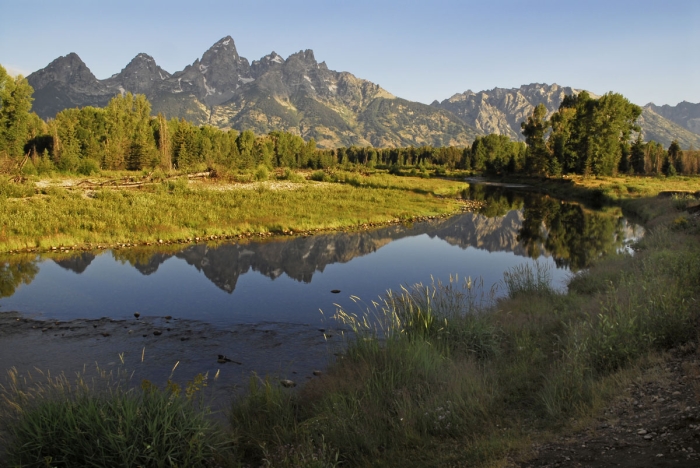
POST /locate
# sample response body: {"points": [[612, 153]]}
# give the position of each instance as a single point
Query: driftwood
{"points": [[128, 182]]}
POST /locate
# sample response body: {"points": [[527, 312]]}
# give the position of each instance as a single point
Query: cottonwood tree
{"points": [[15, 117]]}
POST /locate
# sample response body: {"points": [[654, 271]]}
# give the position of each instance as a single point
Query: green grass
{"points": [[98, 421], [175, 210]]}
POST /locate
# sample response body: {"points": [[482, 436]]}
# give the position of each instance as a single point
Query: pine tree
{"points": [[538, 158]]}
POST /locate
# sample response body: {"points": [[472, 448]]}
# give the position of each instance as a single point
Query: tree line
{"points": [[594, 137], [585, 136]]}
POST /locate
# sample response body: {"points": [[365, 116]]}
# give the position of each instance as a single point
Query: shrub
{"points": [[10, 189], [319, 176], [262, 173], [88, 167]]}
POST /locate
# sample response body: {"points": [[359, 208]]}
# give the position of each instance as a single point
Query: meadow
{"points": [[68, 212]]}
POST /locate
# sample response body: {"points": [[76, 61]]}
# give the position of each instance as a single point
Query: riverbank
{"points": [[605, 190], [86, 214]]}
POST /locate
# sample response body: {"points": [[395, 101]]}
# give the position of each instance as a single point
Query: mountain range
{"points": [[300, 95]]}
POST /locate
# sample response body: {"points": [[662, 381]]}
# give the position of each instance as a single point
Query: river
{"points": [[268, 305]]}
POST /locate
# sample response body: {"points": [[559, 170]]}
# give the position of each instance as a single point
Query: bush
{"points": [[291, 176], [262, 173], [319, 176], [88, 167], [10, 189]]}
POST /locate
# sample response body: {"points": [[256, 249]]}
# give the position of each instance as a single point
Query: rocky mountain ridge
{"points": [[501, 111], [300, 95]]}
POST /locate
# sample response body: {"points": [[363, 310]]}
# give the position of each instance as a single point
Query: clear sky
{"points": [[648, 50]]}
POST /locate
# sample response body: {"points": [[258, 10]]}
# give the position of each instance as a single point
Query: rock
{"points": [[168, 317], [317, 372], [137, 315], [223, 359], [335, 291], [641, 432], [288, 383], [105, 334], [157, 332]]}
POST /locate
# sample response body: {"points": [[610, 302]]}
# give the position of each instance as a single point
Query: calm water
{"points": [[290, 281]]}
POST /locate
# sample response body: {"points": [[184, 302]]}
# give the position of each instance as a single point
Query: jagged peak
{"points": [[272, 57], [64, 69], [224, 45], [305, 55], [67, 60], [143, 56], [140, 62]]}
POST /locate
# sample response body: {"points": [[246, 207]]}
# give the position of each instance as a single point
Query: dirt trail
{"points": [[656, 423]]}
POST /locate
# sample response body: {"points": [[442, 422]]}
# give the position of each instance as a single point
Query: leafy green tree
{"points": [[15, 118], [246, 146], [129, 141], [264, 152], [185, 145], [610, 124], [560, 140]]}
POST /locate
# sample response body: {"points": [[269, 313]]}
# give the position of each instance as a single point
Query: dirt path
{"points": [[656, 423]]}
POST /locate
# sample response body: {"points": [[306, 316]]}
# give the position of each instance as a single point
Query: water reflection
{"points": [[527, 225], [19, 270]]}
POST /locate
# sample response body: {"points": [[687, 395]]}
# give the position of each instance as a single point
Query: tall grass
{"points": [[99, 421], [529, 280]]}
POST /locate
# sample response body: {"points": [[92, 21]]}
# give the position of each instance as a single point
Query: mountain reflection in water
{"points": [[524, 225]]}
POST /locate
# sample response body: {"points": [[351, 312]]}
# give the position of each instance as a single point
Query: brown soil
{"points": [[655, 423]]}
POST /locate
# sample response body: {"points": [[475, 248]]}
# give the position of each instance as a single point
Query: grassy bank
{"points": [[435, 378], [608, 190], [444, 375], [63, 212]]}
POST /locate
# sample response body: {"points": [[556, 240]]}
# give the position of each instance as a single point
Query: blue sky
{"points": [[419, 50]]}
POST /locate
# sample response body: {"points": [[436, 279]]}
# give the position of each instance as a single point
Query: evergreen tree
{"points": [[637, 155], [675, 155], [538, 156]]}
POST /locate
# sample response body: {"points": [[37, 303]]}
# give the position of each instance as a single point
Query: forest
{"points": [[585, 136]]}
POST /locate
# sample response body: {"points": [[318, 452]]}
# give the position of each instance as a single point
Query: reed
{"points": [[99, 419]]}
